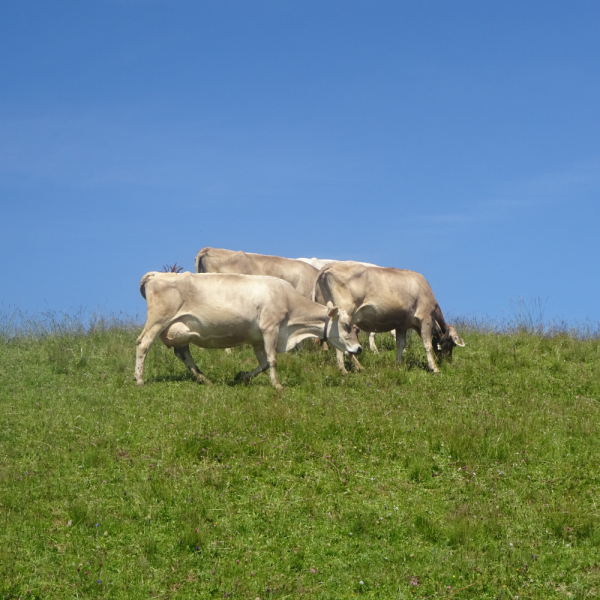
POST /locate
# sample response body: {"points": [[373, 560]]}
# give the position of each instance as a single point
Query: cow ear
{"points": [[334, 311], [456, 338]]}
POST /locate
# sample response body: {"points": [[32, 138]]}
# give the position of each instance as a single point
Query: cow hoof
{"points": [[358, 368], [242, 377], [203, 380], [140, 383], [279, 387]]}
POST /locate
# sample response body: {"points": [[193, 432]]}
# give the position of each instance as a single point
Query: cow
{"points": [[319, 263], [382, 299], [299, 274], [224, 310]]}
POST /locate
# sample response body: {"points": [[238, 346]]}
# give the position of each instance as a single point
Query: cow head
{"points": [[342, 334], [443, 343]]}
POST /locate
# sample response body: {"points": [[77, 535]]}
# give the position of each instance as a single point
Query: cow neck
{"points": [[327, 319]]}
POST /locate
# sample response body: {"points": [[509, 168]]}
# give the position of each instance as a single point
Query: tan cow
{"points": [[382, 299], [300, 274], [224, 310], [319, 263]]}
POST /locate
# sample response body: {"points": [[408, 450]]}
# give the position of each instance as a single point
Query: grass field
{"points": [[394, 483]]}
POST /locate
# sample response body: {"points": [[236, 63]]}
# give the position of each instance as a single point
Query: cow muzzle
{"points": [[356, 350]]}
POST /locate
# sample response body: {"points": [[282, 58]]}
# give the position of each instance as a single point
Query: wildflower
{"points": [[360, 583], [312, 571], [97, 524]]}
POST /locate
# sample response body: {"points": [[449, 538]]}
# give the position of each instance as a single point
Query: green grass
{"points": [[478, 483]]}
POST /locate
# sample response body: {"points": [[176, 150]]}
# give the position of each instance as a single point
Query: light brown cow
{"points": [[300, 274], [382, 299], [224, 310], [319, 263]]}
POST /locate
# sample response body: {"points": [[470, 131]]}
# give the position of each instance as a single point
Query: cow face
{"points": [[340, 331], [444, 344]]}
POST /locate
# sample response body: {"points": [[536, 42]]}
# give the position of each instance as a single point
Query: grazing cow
{"points": [[382, 299], [301, 275], [224, 310], [319, 263]]}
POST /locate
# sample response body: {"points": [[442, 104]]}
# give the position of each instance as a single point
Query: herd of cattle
{"points": [[273, 303]]}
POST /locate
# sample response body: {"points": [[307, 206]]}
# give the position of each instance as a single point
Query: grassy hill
{"points": [[394, 483]]}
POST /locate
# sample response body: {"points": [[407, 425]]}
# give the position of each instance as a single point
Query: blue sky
{"points": [[457, 139]]}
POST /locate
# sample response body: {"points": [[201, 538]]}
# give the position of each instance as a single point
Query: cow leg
{"points": [[339, 357], [185, 356], [267, 359], [356, 366], [400, 336], [263, 365], [426, 337], [143, 344], [372, 345], [323, 344], [271, 351]]}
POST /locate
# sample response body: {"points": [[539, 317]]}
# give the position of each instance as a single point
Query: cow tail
{"points": [[316, 287], [143, 283], [318, 294], [198, 265]]}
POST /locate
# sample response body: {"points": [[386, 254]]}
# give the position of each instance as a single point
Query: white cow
{"points": [[318, 263], [224, 310], [382, 299]]}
